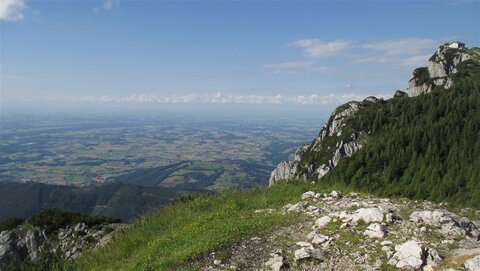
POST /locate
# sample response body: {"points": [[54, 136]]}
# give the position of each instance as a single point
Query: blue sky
{"points": [[162, 52]]}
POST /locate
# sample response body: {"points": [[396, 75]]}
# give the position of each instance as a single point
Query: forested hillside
{"points": [[117, 200], [424, 147]]}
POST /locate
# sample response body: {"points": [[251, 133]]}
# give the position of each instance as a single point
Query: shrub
{"points": [[11, 223], [54, 219]]}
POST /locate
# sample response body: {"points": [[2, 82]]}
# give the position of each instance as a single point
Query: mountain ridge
{"points": [[454, 73]]}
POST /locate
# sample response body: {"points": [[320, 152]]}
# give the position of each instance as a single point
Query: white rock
{"points": [[275, 263], [297, 207], [432, 257], [392, 261], [345, 225], [389, 218], [386, 249], [217, 262], [368, 215], [473, 264], [323, 221], [311, 234], [435, 218], [307, 253], [334, 194], [375, 230], [80, 227], [386, 243], [319, 239], [308, 195], [304, 244], [409, 255], [312, 209]]}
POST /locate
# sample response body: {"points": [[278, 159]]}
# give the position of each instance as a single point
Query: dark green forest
{"points": [[425, 147], [116, 200]]}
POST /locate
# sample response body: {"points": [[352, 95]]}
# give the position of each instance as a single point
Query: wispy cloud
{"points": [[318, 48], [402, 46], [415, 61], [408, 52], [296, 66], [107, 5], [12, 10], [214, 98], [370, 59], [460, 2]]}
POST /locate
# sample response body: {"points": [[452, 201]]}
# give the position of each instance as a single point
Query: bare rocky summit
{"points": [[441, 65]]}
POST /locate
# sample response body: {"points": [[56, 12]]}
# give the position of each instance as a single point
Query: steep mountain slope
{"points": [[422, 146]]}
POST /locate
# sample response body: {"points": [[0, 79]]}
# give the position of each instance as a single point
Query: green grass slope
{"points": [[190, 228]]}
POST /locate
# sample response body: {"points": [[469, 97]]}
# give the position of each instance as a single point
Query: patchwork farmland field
{"points": [[168, 151]]}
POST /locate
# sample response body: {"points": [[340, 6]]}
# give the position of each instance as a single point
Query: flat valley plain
{"points": [[168, 150]]}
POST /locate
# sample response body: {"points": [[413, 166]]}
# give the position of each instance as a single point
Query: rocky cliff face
{"points": [[337, 140], [28, 243], [441, 65]]}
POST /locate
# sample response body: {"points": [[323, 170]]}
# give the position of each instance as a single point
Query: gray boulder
{"points": [[309, 253], [412, 255], [435, 218], [473, 264], [323, 221], [447, 222], [368, 215], [375, 230], [275, 263]]}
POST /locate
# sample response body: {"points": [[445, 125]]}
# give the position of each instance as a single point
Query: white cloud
{"points": [[295, 66], [371, 59], [406, 46], [415, 61], [107, 5], [215, 98], [460, 2], [12, 10], [318, 48], [408, 52]]}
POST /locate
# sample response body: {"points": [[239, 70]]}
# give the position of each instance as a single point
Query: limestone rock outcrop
{"points": [[441, 65], [412, 255], [473, 264], [346, 145], [28, 243]]}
